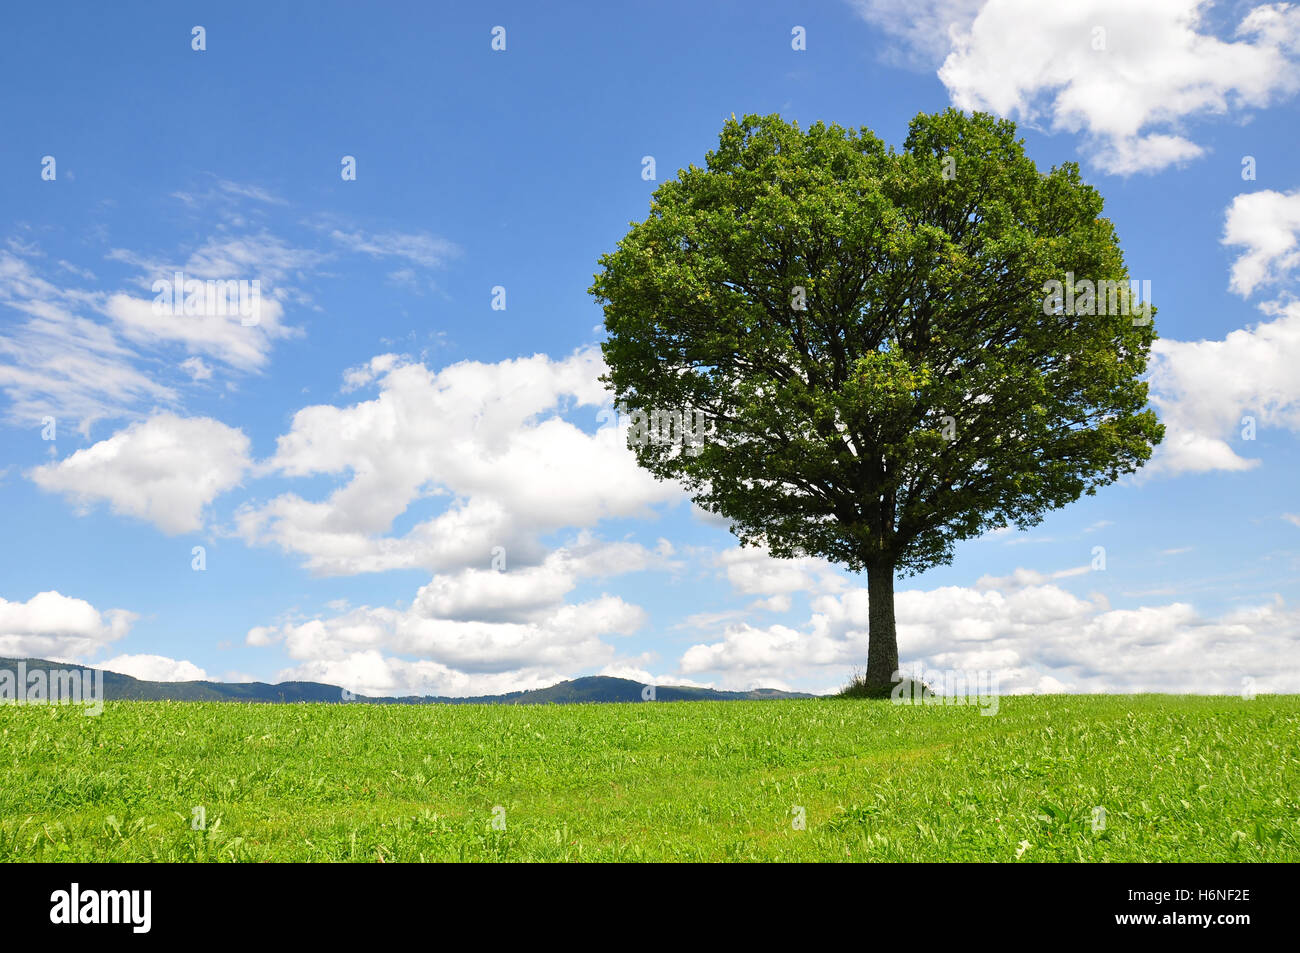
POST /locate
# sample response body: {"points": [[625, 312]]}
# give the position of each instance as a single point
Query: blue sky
{"points": [[350, 463]]}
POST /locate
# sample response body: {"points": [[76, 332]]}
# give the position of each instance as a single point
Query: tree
{"points": [[874, 344]]}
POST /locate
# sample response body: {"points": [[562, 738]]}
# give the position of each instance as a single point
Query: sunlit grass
{"points": [[1179, 779]]}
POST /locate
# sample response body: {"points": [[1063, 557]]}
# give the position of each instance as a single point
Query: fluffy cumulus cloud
{"points": [[475, 631], [52, 625], [370, 672], [165, 469], [1213, 396], [753, 571], [486, 446], [1266, 225], [1206, 391], [367, 649], [154, 668], [1031, 637], [1125, 75], [237, 327]]}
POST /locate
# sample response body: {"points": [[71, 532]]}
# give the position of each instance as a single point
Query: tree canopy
{"points": [[873, 339]]}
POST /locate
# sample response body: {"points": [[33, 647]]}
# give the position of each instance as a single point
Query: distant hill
{"points": [[592, 688]]}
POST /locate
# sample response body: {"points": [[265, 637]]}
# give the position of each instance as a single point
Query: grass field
{"points": [[1180, 779]]}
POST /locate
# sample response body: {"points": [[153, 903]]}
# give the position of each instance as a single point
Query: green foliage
{"points": [[1180, 779], [922, 319]]}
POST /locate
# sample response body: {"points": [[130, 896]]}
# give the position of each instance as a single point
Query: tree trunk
{"points": [[882, 637]]}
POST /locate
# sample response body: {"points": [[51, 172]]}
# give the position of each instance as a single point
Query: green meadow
{"points": [[1177, 778]]}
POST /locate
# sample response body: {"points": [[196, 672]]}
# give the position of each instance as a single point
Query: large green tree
{"points": [[873, 345]]}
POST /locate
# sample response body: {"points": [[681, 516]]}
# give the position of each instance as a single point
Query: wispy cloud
{"points": [[418, 247]]}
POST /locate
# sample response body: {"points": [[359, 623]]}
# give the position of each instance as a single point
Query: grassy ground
{"points": [[1180, 779]]}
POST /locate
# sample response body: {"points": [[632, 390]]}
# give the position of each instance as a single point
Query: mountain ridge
{"points": [[588, 689]]}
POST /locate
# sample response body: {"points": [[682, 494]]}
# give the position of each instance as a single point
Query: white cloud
{"points": [[258, 255], [1267, 224], [65, 361], [1126, 75], [243, 333], [927, 29], [84, 273], [1204, 389], [377, 366], [487, 440], [60, 364], [249, 192], [83, 355], [222, 336], [1207, 391], [197, 369], [360, 649], [777, 603], [487, 595], [214, 197], [421, 248], [532, 592], [52, 625], [372, 673], [1021, 578], [165, 470], [154, 668], [631, 670], [748, 656], [753, 571], [1034, 637], [475, 631]]}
